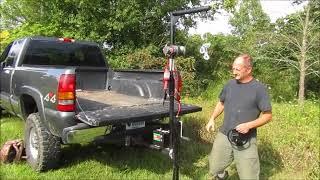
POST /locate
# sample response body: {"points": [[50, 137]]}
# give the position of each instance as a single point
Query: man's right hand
{"points": [[210, 125], [216, 112]]}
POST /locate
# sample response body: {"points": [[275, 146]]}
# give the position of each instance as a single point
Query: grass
{"points": [[288, 147]]}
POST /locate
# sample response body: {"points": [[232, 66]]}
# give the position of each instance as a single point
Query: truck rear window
{"points": [[41, 52]]}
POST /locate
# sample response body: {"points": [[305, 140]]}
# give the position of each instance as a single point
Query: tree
{"points": [[249, 18], [299, 38]]}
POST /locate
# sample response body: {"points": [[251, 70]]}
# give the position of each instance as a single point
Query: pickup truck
{"points": [[66, 93]]}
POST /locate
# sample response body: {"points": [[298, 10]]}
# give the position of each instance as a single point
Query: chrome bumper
{"points": [[83, 133]]}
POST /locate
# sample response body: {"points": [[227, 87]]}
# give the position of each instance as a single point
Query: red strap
{"points": [[178, 85]]}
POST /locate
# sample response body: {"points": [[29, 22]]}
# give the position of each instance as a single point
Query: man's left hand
{"points": [[243, 128]]}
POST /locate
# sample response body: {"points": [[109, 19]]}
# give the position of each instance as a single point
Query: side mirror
{"points": [[3, 64], [107, 45]]}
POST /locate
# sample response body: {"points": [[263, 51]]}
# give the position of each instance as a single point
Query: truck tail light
{"points": [[66, 93], [66, 40]]}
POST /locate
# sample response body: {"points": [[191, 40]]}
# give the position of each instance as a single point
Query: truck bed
{"points": [[99, 108]]}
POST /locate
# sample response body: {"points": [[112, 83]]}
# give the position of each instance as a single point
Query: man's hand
{"points": [[243, 128], [262, 120], [216, 112], [210, 125]]}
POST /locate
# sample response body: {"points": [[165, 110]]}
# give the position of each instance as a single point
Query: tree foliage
{"points": [[138, 30], [294, 46], [125, 23], [249, 18]]}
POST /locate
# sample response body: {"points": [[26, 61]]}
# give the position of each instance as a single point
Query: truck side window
{"points": [[13, 53], [10, 59], [5, 52]]}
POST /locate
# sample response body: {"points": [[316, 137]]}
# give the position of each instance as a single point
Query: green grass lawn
{"points": [[288, 147]]}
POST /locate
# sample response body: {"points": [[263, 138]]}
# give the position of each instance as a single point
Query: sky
{"points": [[274, 8]]}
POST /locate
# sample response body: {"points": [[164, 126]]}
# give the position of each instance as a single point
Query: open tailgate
{"points": [[124, 114]]}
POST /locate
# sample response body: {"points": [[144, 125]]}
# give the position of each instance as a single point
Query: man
{"points": [[246, 106]]}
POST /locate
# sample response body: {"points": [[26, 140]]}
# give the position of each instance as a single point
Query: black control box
{"points": [[161, 138]]}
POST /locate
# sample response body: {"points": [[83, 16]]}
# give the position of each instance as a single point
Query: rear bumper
{"points": [[83, 133]]}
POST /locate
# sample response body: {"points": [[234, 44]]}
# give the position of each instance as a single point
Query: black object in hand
{"points": [[236, 138]]}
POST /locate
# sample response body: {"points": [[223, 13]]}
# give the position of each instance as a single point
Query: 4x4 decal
{"points": [[50, 97]]}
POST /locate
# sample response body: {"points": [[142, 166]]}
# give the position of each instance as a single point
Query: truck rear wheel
{"points": [[42, 148]]}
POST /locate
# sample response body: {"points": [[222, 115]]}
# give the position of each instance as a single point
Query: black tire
{"points": [[43, 149]]}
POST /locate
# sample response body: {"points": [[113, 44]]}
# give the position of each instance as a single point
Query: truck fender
{"points": [[38, 98]]}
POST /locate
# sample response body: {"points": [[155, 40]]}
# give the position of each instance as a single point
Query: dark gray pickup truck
{"points": [[67, 94]]}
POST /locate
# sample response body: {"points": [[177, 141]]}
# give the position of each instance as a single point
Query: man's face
{"points": [[240, 71]]}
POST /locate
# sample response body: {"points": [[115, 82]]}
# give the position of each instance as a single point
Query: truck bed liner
{"points": [[99, 108]]}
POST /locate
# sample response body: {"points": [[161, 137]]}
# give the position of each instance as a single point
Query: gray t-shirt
{"points": [[243, 102]]}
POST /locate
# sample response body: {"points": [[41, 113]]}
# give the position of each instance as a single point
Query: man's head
{"points": [[242, 68]]}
